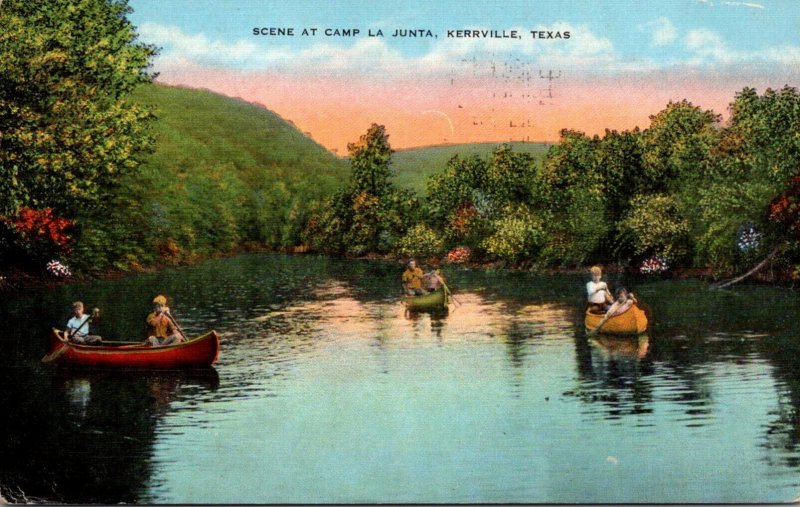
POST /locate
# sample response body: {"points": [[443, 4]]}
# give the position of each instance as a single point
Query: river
{"points": [[326, 390]]}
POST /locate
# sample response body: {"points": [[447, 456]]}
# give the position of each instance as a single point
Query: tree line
{"points": [[688, 191]]}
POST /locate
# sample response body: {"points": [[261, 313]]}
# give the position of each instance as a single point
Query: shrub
{"points": [[656, 226], [422, 241], [518, 234]]}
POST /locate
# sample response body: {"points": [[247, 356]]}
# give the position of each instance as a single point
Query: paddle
{"points": [[175, 323], [52, 356], [597, 329], [95, 314], [449, 293]]}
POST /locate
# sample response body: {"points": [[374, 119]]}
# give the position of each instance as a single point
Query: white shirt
{"points": [[596, 297], [75, 323]]}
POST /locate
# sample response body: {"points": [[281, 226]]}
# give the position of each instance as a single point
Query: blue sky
{"points": [[657, 31]]}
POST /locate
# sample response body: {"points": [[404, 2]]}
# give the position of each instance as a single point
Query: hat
{"points": [[160, 300]]}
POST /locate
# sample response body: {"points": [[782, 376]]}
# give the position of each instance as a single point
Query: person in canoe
{"points": [[78, 327], [161, 327], [597, 292], [412, 279], [623, 302], [433, 281]]}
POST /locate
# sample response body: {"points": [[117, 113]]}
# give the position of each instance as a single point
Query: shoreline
{"points": [[16, 279]]}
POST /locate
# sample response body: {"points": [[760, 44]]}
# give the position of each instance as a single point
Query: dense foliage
{"points": [[100, 168], [687, 191], [69, 130]]}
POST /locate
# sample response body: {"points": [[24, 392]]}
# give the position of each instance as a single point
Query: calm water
{"points": [[326, 391]]}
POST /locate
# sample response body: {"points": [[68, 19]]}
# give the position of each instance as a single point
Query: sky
{"points": [[488, 71]]}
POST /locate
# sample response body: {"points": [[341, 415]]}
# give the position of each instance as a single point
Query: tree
{"points": [[68, 132], [751, 165], [767, 126], [571, 200], [618, 163], [676, 145], [370, 159], [370, 214], [509, 176], [451, 192]]}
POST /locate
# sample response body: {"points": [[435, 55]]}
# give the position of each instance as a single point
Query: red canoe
{"points": [[200, 351]]}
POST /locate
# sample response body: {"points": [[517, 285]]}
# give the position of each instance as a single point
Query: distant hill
{"points": [[198, 127], [224, 172], [413, 166]]}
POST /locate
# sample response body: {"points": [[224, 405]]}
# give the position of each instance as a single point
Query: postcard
{"points": [[321, 252]]}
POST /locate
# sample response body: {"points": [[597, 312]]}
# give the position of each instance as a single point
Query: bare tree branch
{"points": [[755, 269]]}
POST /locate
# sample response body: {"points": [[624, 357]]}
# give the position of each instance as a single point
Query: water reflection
{"points": [[781, 439], [615, 374], [436, 318], [622, 347], [327, 390]]}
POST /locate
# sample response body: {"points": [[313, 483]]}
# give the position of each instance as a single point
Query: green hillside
{"points": [[224, 172], [197, 127], [414, 166]]}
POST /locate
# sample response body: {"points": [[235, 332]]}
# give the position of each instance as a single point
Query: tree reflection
{"points": [[89, 438], [782, 434]]}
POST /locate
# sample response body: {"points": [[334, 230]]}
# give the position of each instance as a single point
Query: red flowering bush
{"points": [[785, 209], [42, 225], [459, 254]]}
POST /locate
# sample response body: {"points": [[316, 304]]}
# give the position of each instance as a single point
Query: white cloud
{"points": [[198, 47], [743, 4], [751, 5], [585, 52], [662, 30], [708, 47]]}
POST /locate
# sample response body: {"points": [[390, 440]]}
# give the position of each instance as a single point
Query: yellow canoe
{"points": [[634, 321]]}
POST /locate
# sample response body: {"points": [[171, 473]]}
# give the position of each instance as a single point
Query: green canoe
{"points": [[433, 301]]}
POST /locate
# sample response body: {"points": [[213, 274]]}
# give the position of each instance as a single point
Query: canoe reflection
{"points": [[437, 317], [163, 385], [631, 347], [435, 313]]}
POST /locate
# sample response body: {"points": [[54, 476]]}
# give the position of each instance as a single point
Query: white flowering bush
{"points": [[654, 265], [58, 269], [748, 238]]}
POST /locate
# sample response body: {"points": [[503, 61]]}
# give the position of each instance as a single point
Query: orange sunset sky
{"points": [[337, 111], [608, 68]]}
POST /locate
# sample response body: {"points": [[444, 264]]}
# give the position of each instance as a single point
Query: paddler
{"points": [[623, 302], [434, 280], [161, 328], [78, 327], [597, 292], [412, 279]]}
